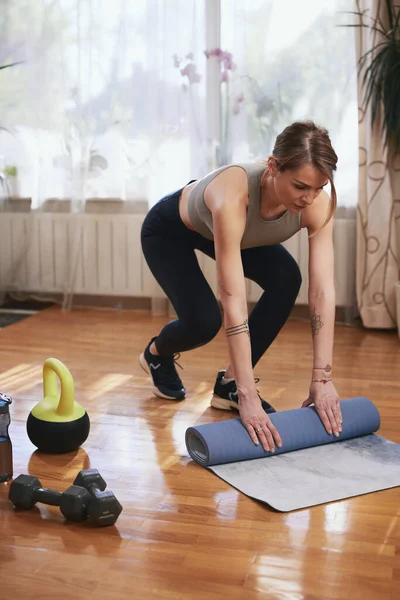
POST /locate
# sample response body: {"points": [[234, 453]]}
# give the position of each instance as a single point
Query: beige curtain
{"points": [[378, 214]]}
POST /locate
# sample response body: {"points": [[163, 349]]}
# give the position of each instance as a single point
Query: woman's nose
{"points": [[310, 197]]}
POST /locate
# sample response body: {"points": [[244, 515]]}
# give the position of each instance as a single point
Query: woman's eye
{"points": [[299, 187]]}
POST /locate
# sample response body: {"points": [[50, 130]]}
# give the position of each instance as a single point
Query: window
{"points": [[294, 61], [104, 105]]}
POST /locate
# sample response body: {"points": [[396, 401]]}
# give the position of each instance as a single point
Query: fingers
{"points": [[331, 419], [266, 433], [266, 439], [275, 434], [330, 413], [337, 415], [252, 433], [325, 420], [332, 422]]}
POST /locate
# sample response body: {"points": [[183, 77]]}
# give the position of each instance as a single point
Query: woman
{"points": [[239, 215]]}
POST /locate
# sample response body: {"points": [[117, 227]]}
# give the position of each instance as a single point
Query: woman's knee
{"points": [[288, 274], [205, 326], [293, 276]]}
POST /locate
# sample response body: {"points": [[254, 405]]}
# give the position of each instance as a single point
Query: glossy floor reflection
{"points": [[184, 533]]}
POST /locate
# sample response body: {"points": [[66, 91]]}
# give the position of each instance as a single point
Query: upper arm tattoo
{"points": [[236, 329], [316, 323]]}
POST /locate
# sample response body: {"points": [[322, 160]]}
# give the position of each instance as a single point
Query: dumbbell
{"points": [[104, 507], [26, 490]]}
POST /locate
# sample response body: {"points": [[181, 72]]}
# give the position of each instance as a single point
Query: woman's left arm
{"points": [[321, 298]]}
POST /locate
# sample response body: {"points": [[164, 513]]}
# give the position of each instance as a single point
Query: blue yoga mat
{"points": [[228, 441]]}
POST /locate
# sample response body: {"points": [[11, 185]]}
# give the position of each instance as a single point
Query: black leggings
{"points": [[169, 248]]}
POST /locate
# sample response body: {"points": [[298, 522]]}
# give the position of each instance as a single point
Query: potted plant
{"points": [[11, 172], [8, 175], [379, 68]]}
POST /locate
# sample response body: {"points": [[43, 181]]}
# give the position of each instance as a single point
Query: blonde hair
{"points": [[303, 142]]}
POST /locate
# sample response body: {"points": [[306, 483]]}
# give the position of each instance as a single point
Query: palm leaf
{"points": [[375, 60], [390, 13], [379, 70], [391, 98], [396, 23], [362, 14], [372, 75], [363, 59], [373, 27], [5, 129], [373, 84], [11, 64]]}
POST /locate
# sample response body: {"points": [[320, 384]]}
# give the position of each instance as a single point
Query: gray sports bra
{"points": [[258, 231]]}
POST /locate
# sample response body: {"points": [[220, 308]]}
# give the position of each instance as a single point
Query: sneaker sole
{"points": [[156, 391], [222, 404]]}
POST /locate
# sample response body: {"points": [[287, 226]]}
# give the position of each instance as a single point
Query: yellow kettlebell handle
{"points": [[52, 369], [57, 407]]}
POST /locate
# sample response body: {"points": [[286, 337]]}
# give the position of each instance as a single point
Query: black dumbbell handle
{"points": [[98, 494], [47, 496], [95, 491]]}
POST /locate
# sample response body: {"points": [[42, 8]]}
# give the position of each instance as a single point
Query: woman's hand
{"points": [[326, 400], [258, 423]]}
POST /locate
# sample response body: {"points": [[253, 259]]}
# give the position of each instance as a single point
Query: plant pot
{"points": [[14, 187]]}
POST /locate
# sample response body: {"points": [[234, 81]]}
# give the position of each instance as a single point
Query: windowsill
{"points": [[138, 205], [92, 205]]}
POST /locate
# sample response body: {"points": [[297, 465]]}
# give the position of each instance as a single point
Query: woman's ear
{"points": [[272, 166]]}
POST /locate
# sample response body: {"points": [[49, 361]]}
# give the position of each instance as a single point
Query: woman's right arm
{"points": [[227, 202]]}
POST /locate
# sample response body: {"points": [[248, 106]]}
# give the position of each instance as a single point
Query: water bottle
{"points": [[6, 463]]}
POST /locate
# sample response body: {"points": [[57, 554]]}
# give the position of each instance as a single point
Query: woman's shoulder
{"points": [[229, 184], [234, 173], [314, 216], [228, 177]]}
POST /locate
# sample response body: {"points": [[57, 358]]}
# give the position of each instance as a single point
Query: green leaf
{"points": [[379, 72], [396, 24], [373, 27], [390, 13], [12, 64], [5, 129], [365, 56]]}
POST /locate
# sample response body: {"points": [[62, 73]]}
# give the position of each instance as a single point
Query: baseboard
{"points": [[299, 312]]}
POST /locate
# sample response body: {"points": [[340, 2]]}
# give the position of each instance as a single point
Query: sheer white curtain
{"points": [[107, 103], [129, 100], [292, 60]]}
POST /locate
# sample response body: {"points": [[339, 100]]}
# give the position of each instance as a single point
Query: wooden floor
{"points": [[184, 533]]}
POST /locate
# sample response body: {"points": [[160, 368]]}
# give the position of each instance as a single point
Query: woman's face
{"points": [[296, 189]]}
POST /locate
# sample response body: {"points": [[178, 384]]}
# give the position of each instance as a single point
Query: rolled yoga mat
{"points": [[312, 467]]}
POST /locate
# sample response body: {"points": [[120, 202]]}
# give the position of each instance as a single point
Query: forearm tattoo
{"points": [[223, 288], [243, 328], [327, 368], [316, 323]]}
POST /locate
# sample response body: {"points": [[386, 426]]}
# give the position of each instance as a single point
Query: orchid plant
{"points": [[230, 106], [4, 176]]}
